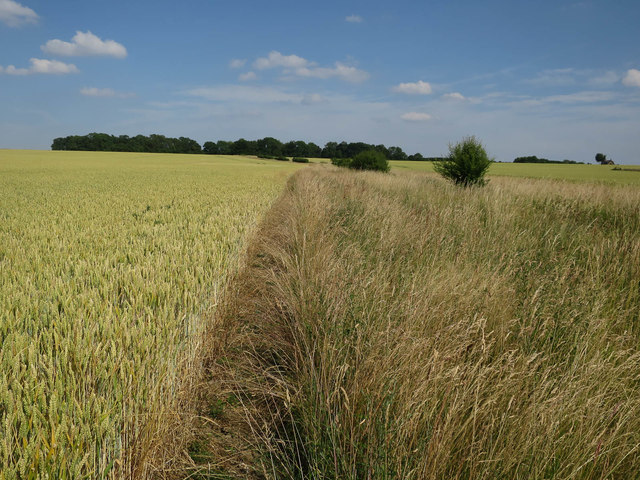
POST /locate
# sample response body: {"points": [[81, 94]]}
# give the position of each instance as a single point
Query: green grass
{"points": [[576, 173], [110, 265]]}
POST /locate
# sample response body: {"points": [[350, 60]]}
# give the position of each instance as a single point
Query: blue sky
{"points": [[557, 79]]}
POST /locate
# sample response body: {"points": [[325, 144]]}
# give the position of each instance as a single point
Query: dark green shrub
{"points": [[466, 164], [300, 160], [282, 158], [341, 162], [370, 160]]}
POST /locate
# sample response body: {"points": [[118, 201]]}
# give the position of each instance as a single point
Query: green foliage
{"points": [[341, 162], [466, 164], [300, 160], [370, 160]]}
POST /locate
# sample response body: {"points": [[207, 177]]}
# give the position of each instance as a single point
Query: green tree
{"points": [[466, 164], [370, 160]]}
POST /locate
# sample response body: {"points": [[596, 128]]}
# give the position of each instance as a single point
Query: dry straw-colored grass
{"points": [[396, 326]]}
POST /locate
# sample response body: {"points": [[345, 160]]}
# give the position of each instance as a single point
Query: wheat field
{"points": [[110, 265]]}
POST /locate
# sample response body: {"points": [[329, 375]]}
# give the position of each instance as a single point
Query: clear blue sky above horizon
{"points": [[556, 79]]}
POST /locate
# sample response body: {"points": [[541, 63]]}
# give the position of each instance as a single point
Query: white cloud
{"points": [[85, 44], [237, 63], [104, 92], [276, 59], [245, 77], [340, 70], [416, 117], [301, 67], [416, 88], [354, 19], [14, 14], [632, 78], [454, 96], [42, 66]]}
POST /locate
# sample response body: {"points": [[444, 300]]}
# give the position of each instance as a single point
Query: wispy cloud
{"points": [[604, 79], [41, 66], [245, 77], [294, 65], [14, 14], [454, 96], [354, 19], [85, 44], [104, 92], [237, 63], [415, 88], [416, 117], [554, 78], [276, 59], [339, 70], [632, 78], [246, 94]]}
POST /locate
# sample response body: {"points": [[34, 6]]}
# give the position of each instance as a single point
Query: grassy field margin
{"points": [[395, 326]]}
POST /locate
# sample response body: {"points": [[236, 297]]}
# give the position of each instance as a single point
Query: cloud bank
{"points": [[85, 45]]}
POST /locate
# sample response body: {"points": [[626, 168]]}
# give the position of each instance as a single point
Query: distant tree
{"points": [[416, 157], [603, 160], [313, 150], [330, 150], [269, 146], [225, 147], [383, 150], [370, 160], [466, 164], [396, 153]]}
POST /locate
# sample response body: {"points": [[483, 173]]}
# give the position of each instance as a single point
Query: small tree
{"points": [[466, 164], [603, 160], [370, 160]]}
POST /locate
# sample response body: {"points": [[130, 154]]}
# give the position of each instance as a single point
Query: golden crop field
{"points": [[110, 263]]}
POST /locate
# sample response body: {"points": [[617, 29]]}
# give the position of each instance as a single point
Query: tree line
{"points": [[534, 159], [266, 147], [102, 142]]}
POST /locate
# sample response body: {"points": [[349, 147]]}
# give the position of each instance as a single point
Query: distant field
{"points": [[109, 264], [589, 173]]}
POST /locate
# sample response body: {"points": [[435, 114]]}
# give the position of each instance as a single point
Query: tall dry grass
{"points": [[396, 326]]}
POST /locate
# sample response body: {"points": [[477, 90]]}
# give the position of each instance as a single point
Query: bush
{"points": [[300, 160], [281, 158], [370, 160], [341, 162], [466, 164]]}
